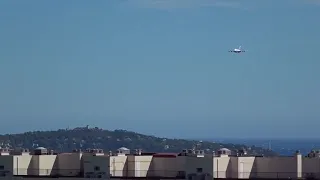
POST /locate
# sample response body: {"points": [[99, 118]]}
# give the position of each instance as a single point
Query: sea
{"points": [[285, 147]]}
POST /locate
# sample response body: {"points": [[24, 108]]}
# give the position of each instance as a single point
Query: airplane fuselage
{"points": [[237, 51]]}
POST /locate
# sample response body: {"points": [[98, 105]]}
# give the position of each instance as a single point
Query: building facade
{"points": [[189, 164]]}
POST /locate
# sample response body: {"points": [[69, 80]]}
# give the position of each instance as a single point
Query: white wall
{"points": [[221, 166], [263, 167], [43, 165], [245, 166], [21, 164], [118, 166], [46, 165], [138, 166]]}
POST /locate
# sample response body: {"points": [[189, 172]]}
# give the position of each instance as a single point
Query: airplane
{"points": [[237, 50]]}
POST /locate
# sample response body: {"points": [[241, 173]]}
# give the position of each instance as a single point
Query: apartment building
{"points": [[170, 165], [221, 165], [16, 164], [41, 162], [188, 164], [296, 166], [258, 167]]}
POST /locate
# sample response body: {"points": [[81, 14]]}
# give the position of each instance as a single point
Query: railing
{"points": [[41, 172], [147, 173], [78, 173], [159, 174], [265, 175], [311, 175]]}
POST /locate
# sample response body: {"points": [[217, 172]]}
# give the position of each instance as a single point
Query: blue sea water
{"points": [[285, 147]]}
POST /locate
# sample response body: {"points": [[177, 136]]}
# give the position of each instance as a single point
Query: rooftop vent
{"points": [[224, 151], [199, 153], [4, 152], [94, 151], [40, 151], [242, 152], [138, 152], [100, 151], [123, 151], [213, 153]]}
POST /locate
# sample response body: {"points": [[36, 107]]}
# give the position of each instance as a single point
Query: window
{"points": [[199, 170], [97, 168]]}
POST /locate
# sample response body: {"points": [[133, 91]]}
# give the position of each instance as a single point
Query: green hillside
{"points": [[83, 137]]}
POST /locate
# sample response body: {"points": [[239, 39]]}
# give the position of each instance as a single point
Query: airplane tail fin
{"points": [[239, 47]]}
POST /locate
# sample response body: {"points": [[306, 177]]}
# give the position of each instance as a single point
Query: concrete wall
{"points": [[138, 166], [222, 167], [275, 167], [241, 167], [311, 167], [15, 165], [68, 178], [257, 167], [69, 164], [142, 166], [6, 165], [21, 164], [48, 178], [43, 165], [233, 167], [46, 164], [165, 167], [149, 166], [198, 166], [96, 166], [118, 166]]}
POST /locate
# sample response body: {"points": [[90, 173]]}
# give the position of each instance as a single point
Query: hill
{"points": [[84, 137]]}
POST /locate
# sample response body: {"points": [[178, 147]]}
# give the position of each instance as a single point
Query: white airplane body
{"points": [[237, 50]]}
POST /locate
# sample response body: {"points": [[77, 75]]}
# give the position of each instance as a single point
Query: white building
{"points": [[96, 164], [186, 165], [16, 164], [44, 163]]}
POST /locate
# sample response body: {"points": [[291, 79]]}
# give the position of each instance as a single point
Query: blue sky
{"points": [[162, 67]]}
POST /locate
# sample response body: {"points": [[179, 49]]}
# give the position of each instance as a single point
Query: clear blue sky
{"points": [[162, 67]]}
